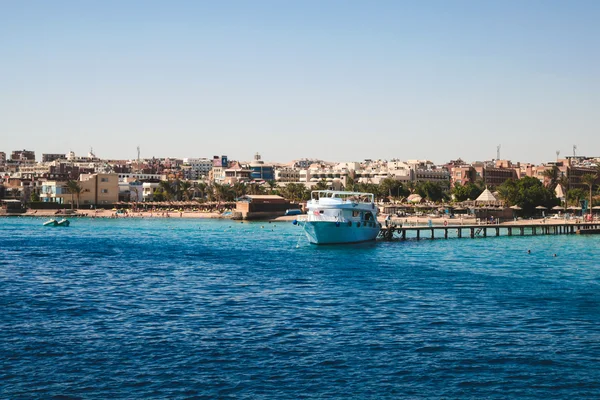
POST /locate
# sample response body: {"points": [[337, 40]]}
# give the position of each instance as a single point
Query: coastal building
{"points": [[305, 163], [219, 165], [262, 206], [126, 177], [131, 191], [260, 170], [53, 157], [324, 172], [196, 168], [23, 156], [569, 170], [287, 174], [148, 189], [491, 173], [96, 189], [236, 173], [2, 158]]}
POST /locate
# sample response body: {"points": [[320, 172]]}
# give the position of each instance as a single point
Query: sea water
{"points": [[181, 308]]}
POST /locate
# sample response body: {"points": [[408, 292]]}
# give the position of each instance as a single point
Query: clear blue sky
{"points": [[338, 80]]}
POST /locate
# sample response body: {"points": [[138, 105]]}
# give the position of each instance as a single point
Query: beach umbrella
{"points": [[596, 208], [541, 208], [516, 208], [559, 208]]}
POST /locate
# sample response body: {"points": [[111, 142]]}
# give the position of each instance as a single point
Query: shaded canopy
{"points": [[486, 196]]}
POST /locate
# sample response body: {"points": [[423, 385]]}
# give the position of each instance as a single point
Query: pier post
{"points": [[403, 234], [445, 233], [509, 231], [459, 232], [497, 231], [522, 231], [472, 233], [533, 231], [418, 234], [484, 231], [432, 235]]}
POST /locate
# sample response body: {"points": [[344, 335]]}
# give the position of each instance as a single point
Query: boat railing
{"points": [[323, 218]]}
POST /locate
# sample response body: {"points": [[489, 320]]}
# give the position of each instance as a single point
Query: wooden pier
{"points": [[473, 231]]}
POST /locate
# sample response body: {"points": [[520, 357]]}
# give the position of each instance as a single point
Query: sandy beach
{"points": [[404, 221], [100, 213]]}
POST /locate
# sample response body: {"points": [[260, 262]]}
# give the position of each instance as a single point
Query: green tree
{"points": [[295, 192], [393, 188], [75, 189], [350, 184], [34, 196], [466, 191], [430, 190], [272, 185], [527, 193], [321, 185], [255, 188], [167, 190], [574, 196], [158, 195], [239, 189], [185, 190], [223, 192], [551, 177], [590, 181], [202, 189]]}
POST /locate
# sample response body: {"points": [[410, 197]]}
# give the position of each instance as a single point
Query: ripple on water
{"points": [[187, 308]]}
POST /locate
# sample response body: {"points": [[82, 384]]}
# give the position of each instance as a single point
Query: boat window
{"points": [[355, 213]]}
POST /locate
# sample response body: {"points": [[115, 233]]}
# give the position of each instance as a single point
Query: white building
{"points": [[196, 168]]}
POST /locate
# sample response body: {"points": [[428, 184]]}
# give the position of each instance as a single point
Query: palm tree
{"points": [[239, 189], [167, 190], [255, 188], [185, 189], [75, 189], [551, 176], [272, 184], [202, 189], [590, 181], [321, 185]]}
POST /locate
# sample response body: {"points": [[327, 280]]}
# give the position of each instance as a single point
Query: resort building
{"points": [[196, 168], [236, 173], [287, 174], [148, 189], [127, 177], [324, 172], [131, 191], [260, 170], [53, 157], [96, 189], [23, 156], [219, 165]]}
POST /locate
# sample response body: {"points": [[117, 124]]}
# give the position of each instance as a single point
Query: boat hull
{"points": [[325, 232]]}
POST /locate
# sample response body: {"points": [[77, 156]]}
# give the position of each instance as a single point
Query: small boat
{"points": [[63, 222], [51, 222], [336, 217], [293, 211]]}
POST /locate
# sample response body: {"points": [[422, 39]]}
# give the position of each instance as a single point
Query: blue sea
{"points": [[180, 308]]}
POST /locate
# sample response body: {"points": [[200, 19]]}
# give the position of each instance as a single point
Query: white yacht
{"points": [[340, 217]]}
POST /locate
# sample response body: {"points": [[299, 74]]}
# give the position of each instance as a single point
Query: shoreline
{"points": [[408, 221]]}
